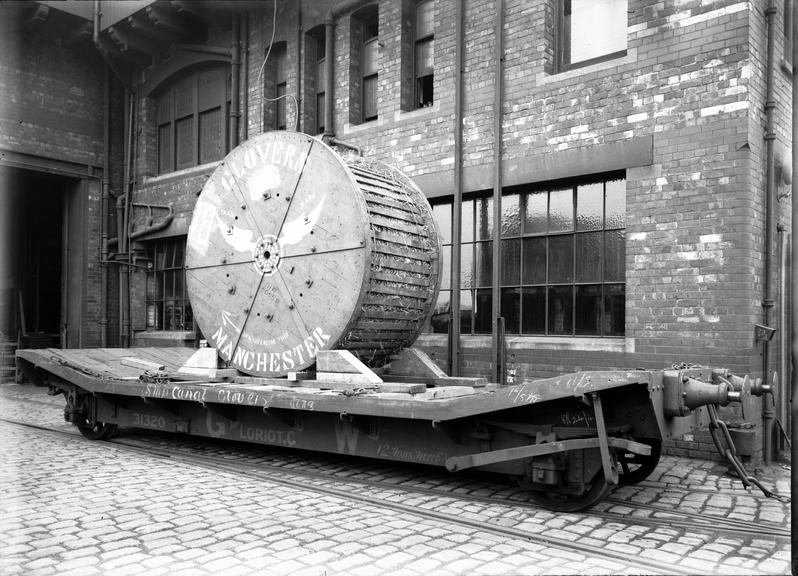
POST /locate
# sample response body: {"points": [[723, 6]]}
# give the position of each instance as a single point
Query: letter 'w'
{"points": [[346, 436]]}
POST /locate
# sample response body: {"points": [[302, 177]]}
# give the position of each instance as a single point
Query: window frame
{"points": [[419, 41], [167, 98], [369, 77], [477, 283], [157, 298], [563, 43]]}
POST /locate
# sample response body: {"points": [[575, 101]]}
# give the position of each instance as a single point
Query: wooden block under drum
{"points": [[348, 378], [134, 362]]}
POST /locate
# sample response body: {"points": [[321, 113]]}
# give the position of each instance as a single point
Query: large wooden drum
{"points": [[294, 249]]}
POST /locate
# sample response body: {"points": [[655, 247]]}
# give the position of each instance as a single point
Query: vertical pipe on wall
{"points": [[457, 210], [329, 69], [245, 57], [794, 272], [497, 340], [104, 208], [299, 98], [770, 187], [235, 82]]}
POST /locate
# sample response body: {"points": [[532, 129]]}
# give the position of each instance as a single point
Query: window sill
{"points": [[194, 170], [418, 113], [574, 343], [630, 58]]}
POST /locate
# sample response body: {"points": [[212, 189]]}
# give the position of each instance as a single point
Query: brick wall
{"points": [[691, 84]]}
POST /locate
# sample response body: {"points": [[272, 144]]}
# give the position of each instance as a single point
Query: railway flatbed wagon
{"points": [[568, 439], [311, 274]]}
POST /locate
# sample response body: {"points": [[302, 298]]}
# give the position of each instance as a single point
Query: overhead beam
{"points": [[141, 25], [130, 56], [128, 41], [172, 22]]}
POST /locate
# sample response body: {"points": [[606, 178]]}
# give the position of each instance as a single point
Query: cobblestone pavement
{"points": [[76, 507]]}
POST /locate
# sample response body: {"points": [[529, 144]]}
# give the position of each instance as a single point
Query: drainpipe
{"points": [[770, 188], [497, 336], [122, 212], [104, 210], [794, 271], [298, 61], [235, 81], [246, 75], [457, 207]]}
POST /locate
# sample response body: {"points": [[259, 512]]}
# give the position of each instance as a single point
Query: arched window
{"points": [[192, 118]]}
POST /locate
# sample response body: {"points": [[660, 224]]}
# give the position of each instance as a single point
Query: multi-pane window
{"points": [[280, 84], [167, 304], [368, 67], [424, 59], [591, 31], [563, 261], [191, 120], [321, 76]]}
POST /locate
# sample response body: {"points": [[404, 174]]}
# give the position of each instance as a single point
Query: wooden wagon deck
{"points": [[124, 372]]}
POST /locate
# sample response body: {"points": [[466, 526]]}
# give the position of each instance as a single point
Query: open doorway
{"points": [[32, 256]]}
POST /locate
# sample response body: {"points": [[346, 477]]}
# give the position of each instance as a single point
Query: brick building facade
{"points": [[632, 166]]}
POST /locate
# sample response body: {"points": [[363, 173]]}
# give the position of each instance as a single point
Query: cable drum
{"points": [[294, 249]]}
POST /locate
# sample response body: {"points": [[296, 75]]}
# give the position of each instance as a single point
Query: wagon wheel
{"points": [[563, 502], [637, 467], [97, 430]]}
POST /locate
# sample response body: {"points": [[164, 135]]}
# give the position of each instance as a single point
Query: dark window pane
{"points": [[165, 107], [189, 316], [482, 312], [467, 266], [424, 91], [443, 218], [179, 288], [184, 97], [511, 219], [588, 310], [614, 256], [561, 259], [588, 257], [511, 262], [442, 313], [320, 113], [590, 206], [511, 310], [616, 204], [179, 257], [211, 136], [211, 89], [484, 263], [165, 148], [536, 209], [370, 98], [446, 267], [561, 210], [321, 75], [280, 64], [534, 261], [614, 309], [169, 259], [484, 218], [169, 279], [468, 221], [533, 308], [560, 310], [466, 312], [185, 142]]}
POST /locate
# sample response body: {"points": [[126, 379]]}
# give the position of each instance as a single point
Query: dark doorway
{"points": [[33, 255]]}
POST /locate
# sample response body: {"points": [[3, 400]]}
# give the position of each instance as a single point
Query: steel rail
{"points": [[278, 476], [672, 519]]}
